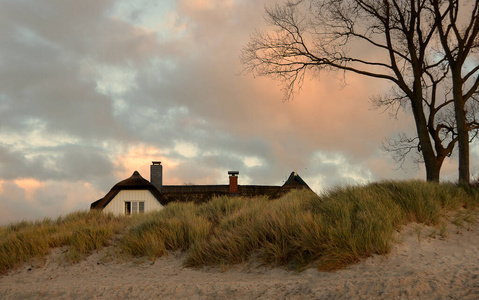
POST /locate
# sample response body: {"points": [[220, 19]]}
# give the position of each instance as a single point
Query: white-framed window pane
{"points": [[134, 207], [141, 207]]}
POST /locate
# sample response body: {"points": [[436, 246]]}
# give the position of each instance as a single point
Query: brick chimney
{"points": [[233, 181], [156, 174]]}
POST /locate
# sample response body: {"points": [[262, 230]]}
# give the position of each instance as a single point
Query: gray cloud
{"points": [[82, 83]]}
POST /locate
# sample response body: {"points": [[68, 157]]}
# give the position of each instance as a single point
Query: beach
{"points": [[423, 265]]}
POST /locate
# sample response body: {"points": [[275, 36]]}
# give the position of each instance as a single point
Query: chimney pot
{"points": [[233, 181]]}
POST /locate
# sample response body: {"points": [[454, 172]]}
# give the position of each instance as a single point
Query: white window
{"points": [[134, 207]]}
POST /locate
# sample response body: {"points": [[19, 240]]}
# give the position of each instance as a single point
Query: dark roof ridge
{"points": [[295, 176]]}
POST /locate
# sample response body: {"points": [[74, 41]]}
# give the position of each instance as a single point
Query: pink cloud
{"points": [[30, 186]]}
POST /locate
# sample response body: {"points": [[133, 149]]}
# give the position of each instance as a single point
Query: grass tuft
{"points": [[82, 232], [177, 227]]}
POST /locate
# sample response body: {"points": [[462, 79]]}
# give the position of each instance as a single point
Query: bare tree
{"points": [[318, 35], [458, 30], [441, 123]]}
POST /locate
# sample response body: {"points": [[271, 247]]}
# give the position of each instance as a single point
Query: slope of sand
{"points": [[429, 268]]}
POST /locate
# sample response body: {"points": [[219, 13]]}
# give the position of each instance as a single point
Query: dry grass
{"points": [[337, 228], [83, 232], [178, 226]]}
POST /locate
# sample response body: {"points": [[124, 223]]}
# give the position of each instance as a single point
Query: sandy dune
{"points": [[429, 268]]}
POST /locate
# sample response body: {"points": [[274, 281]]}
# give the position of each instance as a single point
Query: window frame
{"points": [[134, 207]]}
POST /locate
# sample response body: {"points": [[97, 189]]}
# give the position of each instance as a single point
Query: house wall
{"points": [[117, 204]]}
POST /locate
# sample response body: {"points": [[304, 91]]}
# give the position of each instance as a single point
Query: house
{"points": [[131, 196], [138, 195]]}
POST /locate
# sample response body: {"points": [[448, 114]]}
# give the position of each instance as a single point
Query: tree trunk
{"points": [[432, 172], [433, 166], [462, 130]]}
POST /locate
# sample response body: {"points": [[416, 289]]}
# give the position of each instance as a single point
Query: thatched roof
{"points": [[135, 182], [203, 193]]}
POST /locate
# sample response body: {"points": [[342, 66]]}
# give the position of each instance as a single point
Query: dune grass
{"points": [[331, 231], [176, 227], [83, 232], [299, 230]]}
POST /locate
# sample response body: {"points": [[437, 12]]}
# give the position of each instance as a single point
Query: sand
{"points": [[419, 267]]}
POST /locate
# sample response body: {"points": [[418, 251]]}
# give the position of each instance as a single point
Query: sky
{"points": [[92, 90]]}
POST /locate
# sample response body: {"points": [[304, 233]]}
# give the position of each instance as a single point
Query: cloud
{"points": [[29, 199], [92, 90]]}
